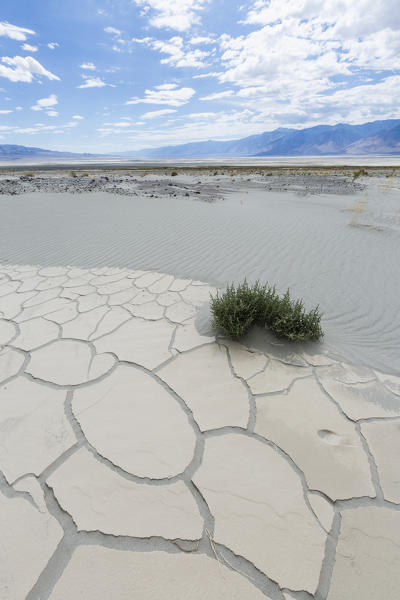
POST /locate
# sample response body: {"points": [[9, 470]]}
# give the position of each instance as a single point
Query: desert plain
{"points": [[145, 455]]}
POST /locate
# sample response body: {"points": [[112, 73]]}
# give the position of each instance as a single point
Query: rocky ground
{"points": [[202, 185], [140, 458]]}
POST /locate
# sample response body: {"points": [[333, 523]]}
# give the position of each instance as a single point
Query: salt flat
{"points": [[142, 453]]}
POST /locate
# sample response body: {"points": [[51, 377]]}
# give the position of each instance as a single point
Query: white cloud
{"points": [[88, 65], [167, 86], [177, 14], [94, 82], [145, 40], [201, 116], [5, 112], [53, 45], [359, 104], [18, 108], [218, 95], [200, 40], [306, 61], [206, 75], [167, 93], [357, 34], [344, 105], [196, 126], [44, 103], [158, 113], [52, 113], [24, 69], [112, 30], [78, 117], [119, 124], [179, 56], [14, 32], [38, 128], [29, 48], [349, 20], [292, 61]]}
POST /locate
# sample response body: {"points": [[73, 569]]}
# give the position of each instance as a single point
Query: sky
{"points": [[113, 75]]}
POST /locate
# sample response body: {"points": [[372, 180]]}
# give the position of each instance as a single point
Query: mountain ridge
{"points": [[15, 151], [375, 137], [320, 140]]}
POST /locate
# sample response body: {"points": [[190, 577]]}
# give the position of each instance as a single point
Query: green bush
{"points": [[240, 307], [357, 174]]}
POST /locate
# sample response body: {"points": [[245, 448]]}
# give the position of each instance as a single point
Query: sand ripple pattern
{"points": [[325, 248]]}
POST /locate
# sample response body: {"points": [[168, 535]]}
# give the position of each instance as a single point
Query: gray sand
{"points": [[340, 251]]}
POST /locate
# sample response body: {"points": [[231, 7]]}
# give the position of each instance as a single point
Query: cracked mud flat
{"points": [[331, 240], [142, 459]]}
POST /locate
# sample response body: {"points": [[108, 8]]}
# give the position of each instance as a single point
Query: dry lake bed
{"points": [[144, 455]]}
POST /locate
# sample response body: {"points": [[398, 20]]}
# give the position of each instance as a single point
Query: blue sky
{"points": [[113, 75]]}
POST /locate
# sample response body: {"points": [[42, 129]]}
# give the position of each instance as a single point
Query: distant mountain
{"points": [[15, 152], [336, 139], [385, 142], [247, 146], [377, 137]]}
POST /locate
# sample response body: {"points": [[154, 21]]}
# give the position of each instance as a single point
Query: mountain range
{"points": [[15, 152], [376, 137]]}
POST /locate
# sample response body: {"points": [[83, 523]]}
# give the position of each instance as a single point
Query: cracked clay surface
{"points": [[142, 459]]}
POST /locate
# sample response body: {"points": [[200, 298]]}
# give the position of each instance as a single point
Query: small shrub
{"points": [[237, 309], [30, 174], [240, 307], [174, 174], [73, 174], [289, 319], [358, 174]]}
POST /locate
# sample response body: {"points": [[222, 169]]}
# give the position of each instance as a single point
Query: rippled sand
{"points": [[340, 251]]}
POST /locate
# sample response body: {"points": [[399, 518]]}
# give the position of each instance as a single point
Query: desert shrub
{"points": [[174, 174], [288, 318], [73, 174], [240, 307], [357, 174]]}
